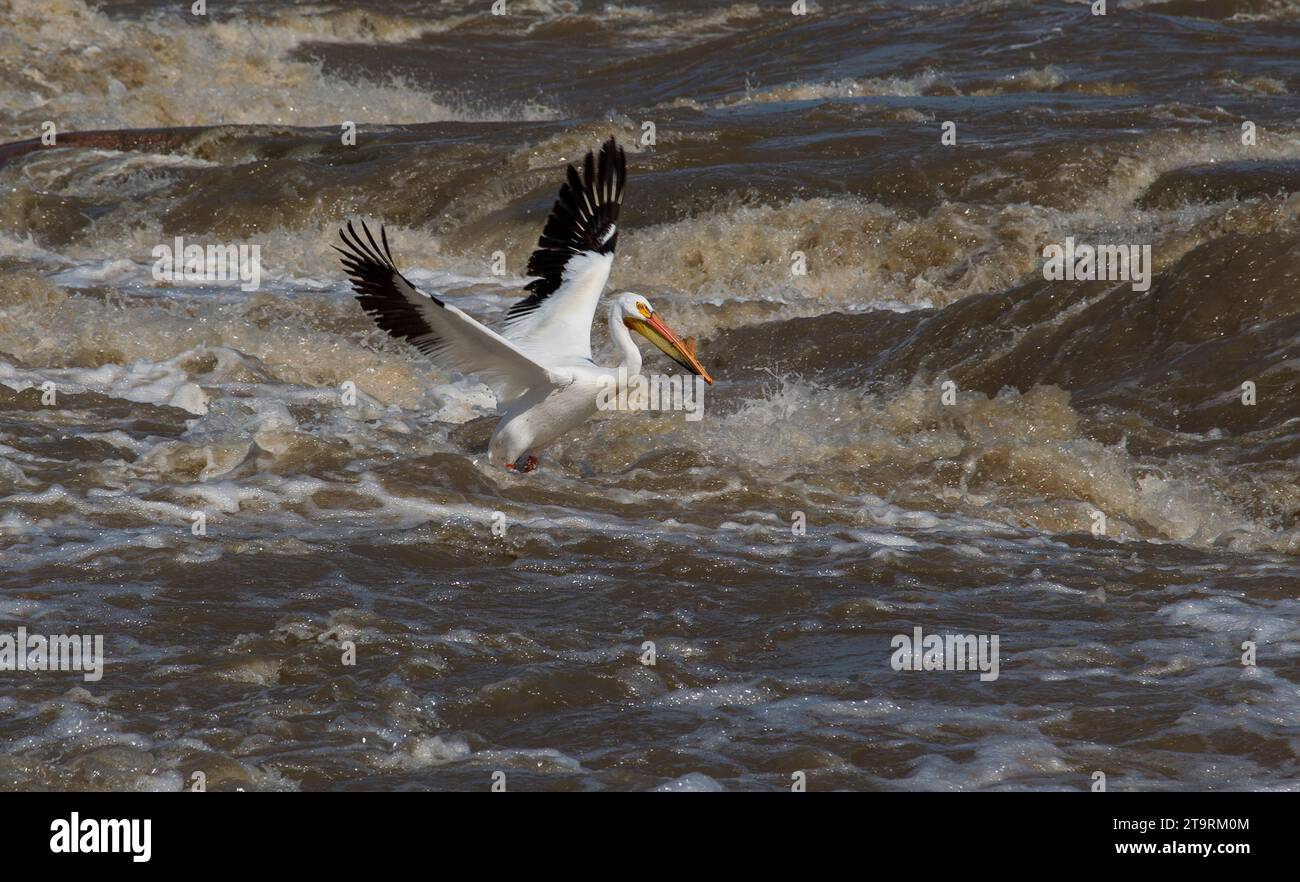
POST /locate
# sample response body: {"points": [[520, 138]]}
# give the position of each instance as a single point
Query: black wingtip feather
{"points": [[375, 278], [584, 218]]}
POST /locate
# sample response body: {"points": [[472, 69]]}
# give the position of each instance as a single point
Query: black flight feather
{"points": [[378, 282], [583, 219]]}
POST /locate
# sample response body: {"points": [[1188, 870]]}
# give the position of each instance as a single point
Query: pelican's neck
{"points": [[622, 337]]}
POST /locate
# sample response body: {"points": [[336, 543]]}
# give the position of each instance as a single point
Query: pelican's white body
{"points": [[539, 416], [544, 413]]}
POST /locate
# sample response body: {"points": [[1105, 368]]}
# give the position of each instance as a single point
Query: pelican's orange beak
{"points": [[680, 351]]}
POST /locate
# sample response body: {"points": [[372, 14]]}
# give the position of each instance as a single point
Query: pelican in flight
{"points": [[539, 363]]}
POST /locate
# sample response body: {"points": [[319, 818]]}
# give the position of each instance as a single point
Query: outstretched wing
{"points": [[444, 333], [572, 261]]}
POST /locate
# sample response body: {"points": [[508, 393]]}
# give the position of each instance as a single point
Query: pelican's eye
{"points": [[643, 308]]}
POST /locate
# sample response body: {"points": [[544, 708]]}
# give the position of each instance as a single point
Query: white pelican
{"points": [[540, 363]]}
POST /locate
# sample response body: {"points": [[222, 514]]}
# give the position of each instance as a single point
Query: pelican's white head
{"points": [[636, 313]]}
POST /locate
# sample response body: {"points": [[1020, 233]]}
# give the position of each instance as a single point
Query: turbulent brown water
{"points": [[951, 424]]}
